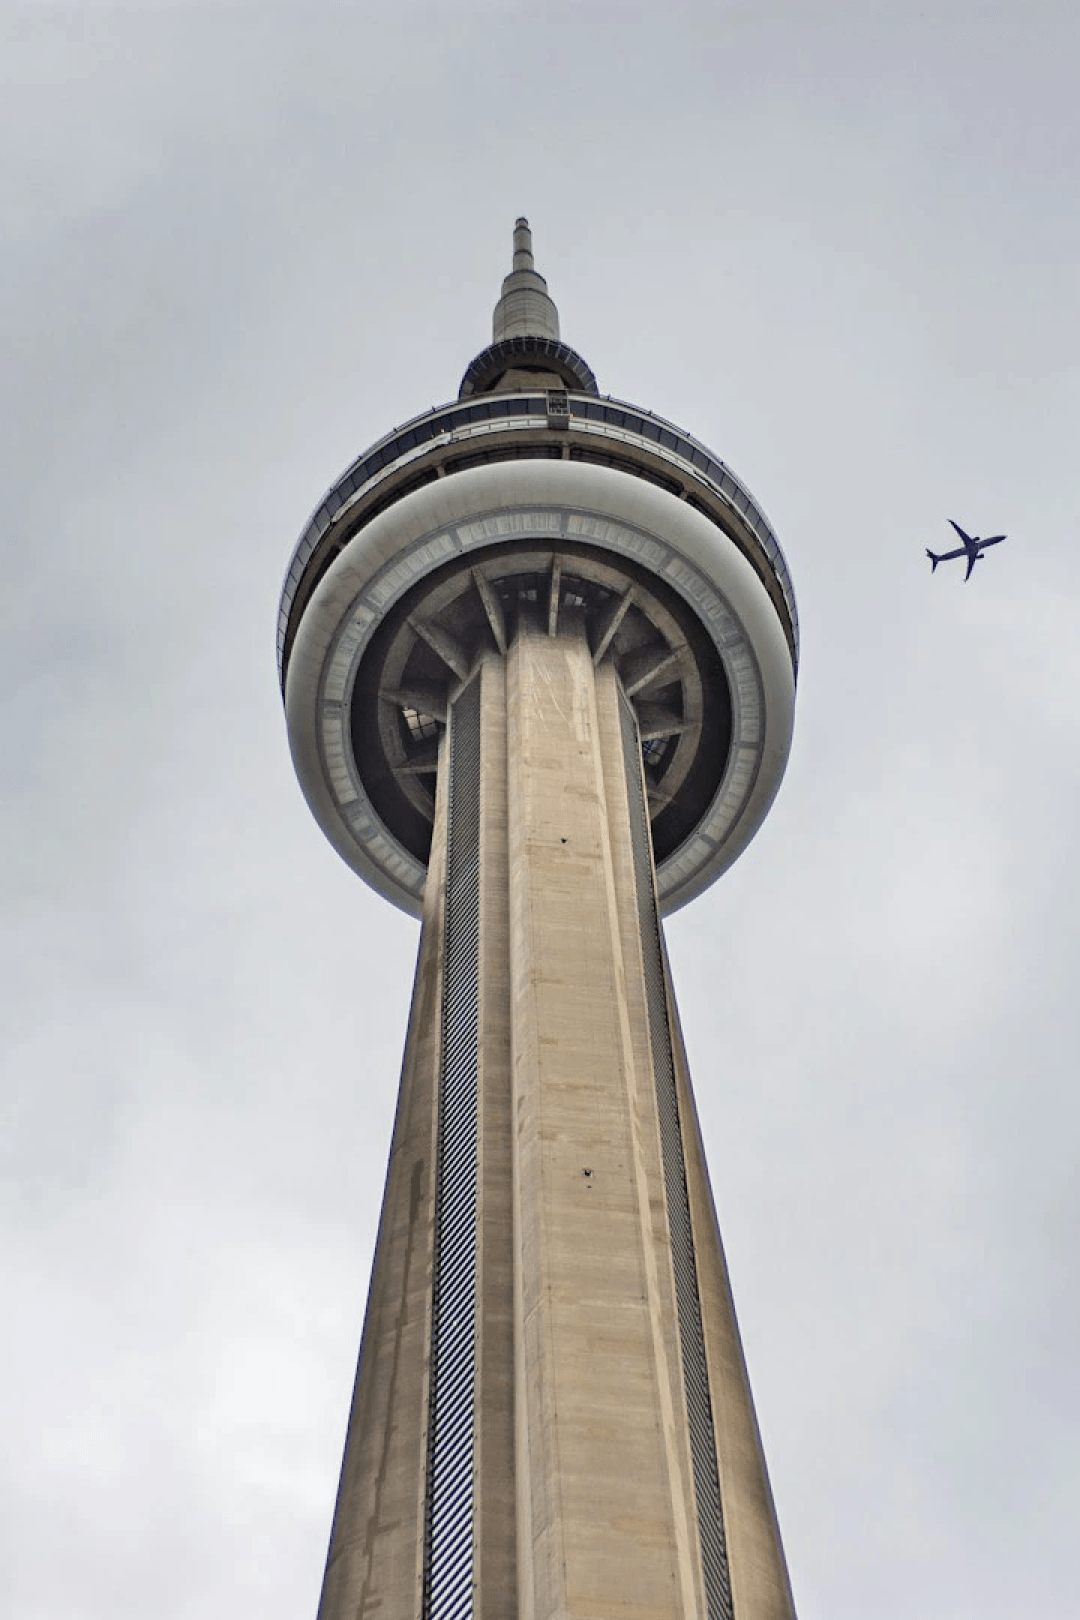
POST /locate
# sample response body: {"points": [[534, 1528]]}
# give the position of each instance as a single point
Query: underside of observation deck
{"points": [[667, 666]]}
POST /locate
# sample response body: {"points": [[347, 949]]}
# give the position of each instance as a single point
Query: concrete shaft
{"points": [[551, 1416]]}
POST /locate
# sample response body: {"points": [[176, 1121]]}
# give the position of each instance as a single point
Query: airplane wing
{"points": [[966, 538], [973, 558]]}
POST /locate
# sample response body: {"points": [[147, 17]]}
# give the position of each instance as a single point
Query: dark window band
{"points": [[448, 1542]]}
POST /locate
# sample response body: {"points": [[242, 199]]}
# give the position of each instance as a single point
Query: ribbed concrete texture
{"points": [[552, 1419]]}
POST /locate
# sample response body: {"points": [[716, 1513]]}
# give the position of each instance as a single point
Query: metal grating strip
{"points": [[448, 1544], [688, 1302]]}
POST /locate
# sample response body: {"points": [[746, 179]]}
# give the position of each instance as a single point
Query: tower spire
{"points": [[526, 308], [525, 350], [523, 253]]}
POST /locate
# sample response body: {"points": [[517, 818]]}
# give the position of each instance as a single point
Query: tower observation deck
{"points": [[538, 653]]}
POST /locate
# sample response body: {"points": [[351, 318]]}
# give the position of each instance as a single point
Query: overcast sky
{"points": [[839, 243]]}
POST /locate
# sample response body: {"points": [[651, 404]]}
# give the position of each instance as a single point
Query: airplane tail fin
{"points": [[934, 560]]}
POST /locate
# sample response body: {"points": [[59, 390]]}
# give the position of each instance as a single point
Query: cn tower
{"points": [[538, 653]]}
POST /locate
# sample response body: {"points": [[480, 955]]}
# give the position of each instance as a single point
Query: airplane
{"points": [[972, 549]]}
